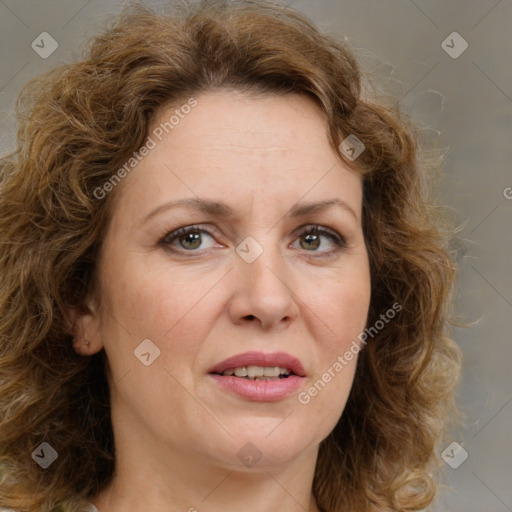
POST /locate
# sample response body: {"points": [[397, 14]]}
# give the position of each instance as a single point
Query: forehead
{"points": [[243, 148], [228, 117]]}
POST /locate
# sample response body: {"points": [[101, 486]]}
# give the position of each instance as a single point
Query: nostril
{"points": [[250, 317]]}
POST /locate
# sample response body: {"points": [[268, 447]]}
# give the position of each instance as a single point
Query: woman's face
{"points": [[249, 276]]}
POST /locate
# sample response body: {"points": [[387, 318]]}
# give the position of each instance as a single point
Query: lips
{"points": [[281, 359]]}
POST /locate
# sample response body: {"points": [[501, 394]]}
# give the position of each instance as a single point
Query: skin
{"points": [[177, 433]]}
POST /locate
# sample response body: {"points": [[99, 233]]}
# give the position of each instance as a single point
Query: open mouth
{"points": [[256, 373], [259, 377]]}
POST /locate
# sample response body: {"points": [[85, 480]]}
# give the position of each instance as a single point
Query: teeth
{"points": [[257, 372], [241, 372]]}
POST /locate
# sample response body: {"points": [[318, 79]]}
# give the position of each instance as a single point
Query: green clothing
{"points": [[88, 507]]}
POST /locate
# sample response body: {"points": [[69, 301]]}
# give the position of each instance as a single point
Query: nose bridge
{"points": [[263, 289], [263, 272]]}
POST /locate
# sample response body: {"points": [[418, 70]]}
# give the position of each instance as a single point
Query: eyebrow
{"points": [[219, 209], [302, 209]]}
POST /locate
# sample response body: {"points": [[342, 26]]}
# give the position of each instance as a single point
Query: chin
{"points": [[266, 443]]}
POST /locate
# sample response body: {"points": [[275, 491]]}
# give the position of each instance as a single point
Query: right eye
{"points": [[188, 239]]}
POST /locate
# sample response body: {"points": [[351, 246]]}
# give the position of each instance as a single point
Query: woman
{"points": [[223, 286]]}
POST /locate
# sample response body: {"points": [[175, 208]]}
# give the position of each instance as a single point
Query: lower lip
{"points": [[259, 390]]}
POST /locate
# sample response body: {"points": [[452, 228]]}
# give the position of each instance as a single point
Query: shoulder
{"points": [[89, 507], [86, 507]]}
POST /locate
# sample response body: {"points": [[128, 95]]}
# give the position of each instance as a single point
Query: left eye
{"points": [[311, 239]]}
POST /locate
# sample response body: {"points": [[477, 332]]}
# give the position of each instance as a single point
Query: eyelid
{"points": [[338, 239], [210, 230], [322, 230]]}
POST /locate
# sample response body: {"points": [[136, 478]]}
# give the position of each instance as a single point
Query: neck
{"points": [[150, 477], [211, 489]]}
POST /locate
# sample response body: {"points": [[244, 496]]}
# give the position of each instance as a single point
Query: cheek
{"points": [[341, 313], [338, 352], [152, 299], [340, 308], [166, 306]]}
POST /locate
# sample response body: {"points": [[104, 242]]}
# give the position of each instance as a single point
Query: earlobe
{"points": [[84, 323], [82, 347]]}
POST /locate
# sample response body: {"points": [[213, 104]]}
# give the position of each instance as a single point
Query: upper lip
{"points": [[281, 359]]}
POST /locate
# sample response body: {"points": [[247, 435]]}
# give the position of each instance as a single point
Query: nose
{"points": [[263, 292]]}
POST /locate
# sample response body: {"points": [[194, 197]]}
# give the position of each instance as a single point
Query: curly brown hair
{"points": [[80, 122]]}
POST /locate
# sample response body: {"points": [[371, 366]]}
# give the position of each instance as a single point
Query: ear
{"points": [[85, 326]]}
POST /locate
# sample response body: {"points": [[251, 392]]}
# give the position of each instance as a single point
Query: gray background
{"points": [[465, 102]]}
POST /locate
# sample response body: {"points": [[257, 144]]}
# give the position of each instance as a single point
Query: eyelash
{"points": [[312, 229]]}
